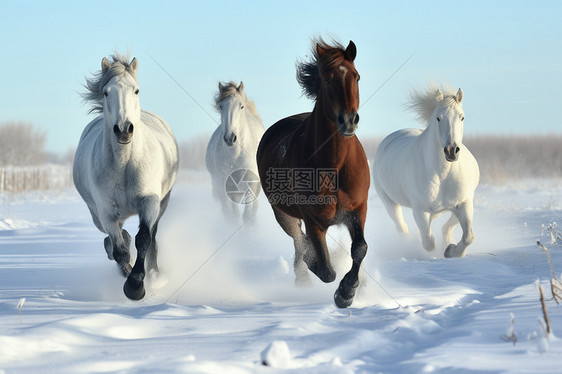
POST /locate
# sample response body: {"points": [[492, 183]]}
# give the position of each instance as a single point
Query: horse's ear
{"points": [[319, 50], [241, 87], [438, 95], [459, 96], [221, 87], [105, 65], [134, 65], [351, 51]]}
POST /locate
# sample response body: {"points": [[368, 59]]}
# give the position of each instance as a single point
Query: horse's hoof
{"points": [[453, 251], [429, 244], [343, 302], [326, 275], [134, 290]]}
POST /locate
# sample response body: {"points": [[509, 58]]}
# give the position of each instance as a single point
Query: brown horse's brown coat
{"points": [[322, 139]]}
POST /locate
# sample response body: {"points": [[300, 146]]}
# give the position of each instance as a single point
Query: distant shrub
{"points": [[511, 157], [21, 144], [192, 152]]}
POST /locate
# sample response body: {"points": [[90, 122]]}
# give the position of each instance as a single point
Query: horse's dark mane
{"points": [[308, 73]]}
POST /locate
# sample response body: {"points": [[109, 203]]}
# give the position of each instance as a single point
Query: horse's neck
{"points": [[250, 128], [431, 152], [327, 144]]}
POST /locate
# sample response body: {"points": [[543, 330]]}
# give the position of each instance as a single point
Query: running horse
{"points": [[125, 164], [430, 170], [313, 169]]}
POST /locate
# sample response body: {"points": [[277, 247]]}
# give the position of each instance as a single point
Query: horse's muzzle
{"points": [[451, 153], [348, 123], [229, 139], [124, 136]]}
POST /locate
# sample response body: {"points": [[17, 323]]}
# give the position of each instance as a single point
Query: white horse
{"points": [[231, 152], [430, 170], [125, 164]]}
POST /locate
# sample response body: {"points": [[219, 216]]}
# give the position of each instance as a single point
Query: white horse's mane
{"points": [[229, 89], [119, 65], [424, 102]]}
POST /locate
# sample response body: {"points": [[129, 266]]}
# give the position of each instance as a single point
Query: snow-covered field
{"points": [[226, 293]]}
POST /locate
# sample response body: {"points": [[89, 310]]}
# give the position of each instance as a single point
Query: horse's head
{"points": [[121, 107], [339, 84], [448, 116], [231, 103]]}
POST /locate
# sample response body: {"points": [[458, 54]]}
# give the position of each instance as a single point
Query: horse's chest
{"points": [[120, 194], [445, 194]]}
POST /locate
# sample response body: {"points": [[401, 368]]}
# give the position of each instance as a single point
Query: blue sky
{"points": [[506, 56]]}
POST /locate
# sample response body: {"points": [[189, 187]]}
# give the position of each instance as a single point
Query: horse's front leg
{"points": [[423, 220], [464, 213], [149, 213], [346, 291]]}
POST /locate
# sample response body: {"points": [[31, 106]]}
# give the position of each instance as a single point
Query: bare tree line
{"points": [[21, 144], [35, 178], [23, 161], [501, 157]]}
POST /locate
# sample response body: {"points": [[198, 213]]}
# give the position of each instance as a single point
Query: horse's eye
{"points": [[137, 91], [105, 93], [241, 106], [438, 120], [462, 119], [358, 77]]}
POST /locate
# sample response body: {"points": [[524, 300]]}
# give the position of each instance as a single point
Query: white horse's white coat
{"points": [[125, 164], [233, 146], [430, 170]]}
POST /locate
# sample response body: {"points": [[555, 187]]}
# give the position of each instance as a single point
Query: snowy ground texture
{"points": [[226, 300]]}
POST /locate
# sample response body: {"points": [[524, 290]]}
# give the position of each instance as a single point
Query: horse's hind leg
{"points": [[292, 226], [464, 213], [395, 212], [107, 243], [109, 246], [152, 255], [117, 246], [447, 229], [149, 213], [346, 291]]}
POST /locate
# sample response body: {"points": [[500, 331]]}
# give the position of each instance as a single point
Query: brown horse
{"points": [[313, 168]]}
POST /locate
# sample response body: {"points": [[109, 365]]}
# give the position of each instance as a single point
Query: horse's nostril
{"points": [[457, 150], [131, 127], [229, 139], [341, 118], [116, 129], [356, 119]]}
